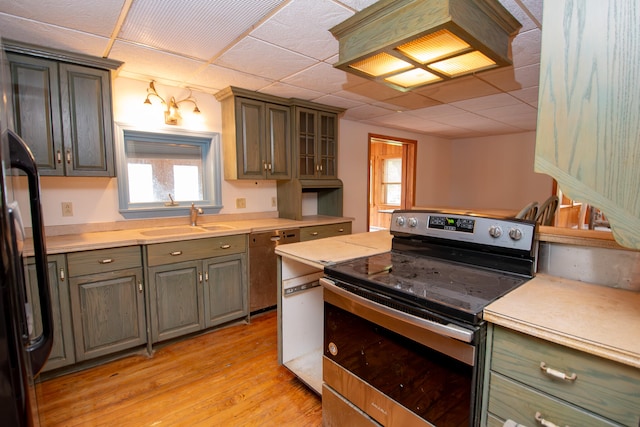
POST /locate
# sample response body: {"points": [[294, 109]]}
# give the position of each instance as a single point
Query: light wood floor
{"points": [[229, 377]]}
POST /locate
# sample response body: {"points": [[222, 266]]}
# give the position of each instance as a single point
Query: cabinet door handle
{"points": [[340, 230], [175, 253], [226, 246], [269, 167], [544, 422], [315, 233], [62, 275], [557, 374], [206, 276], [68, 157], [105, 261], [200, 276], [59, 156], [139, 286], [264, 165]]}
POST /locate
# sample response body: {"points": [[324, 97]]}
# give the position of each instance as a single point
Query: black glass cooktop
{"points": [[448, 288]]}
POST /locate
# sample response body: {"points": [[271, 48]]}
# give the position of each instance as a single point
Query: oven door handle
{"points": [[449, 330]]}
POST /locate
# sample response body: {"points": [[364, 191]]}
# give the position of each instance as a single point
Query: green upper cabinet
{"points": [[587, 136], [256, 135], [63, 110], [316, 134]]}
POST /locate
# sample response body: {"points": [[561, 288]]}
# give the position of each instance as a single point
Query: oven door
{"points": [[394, 367]]}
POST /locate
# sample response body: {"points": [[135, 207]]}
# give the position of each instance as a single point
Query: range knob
{"points": [[400, 221], [413, 222], [515, 233], [495, 231]]}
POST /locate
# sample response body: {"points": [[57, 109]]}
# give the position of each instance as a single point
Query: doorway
{"points": [[392, 178]]}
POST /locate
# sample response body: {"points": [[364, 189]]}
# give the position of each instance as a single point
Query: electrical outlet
{"points": [[67, 209], [241, 203], [274, 202]]}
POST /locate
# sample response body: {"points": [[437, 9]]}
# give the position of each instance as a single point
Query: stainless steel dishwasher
{"points": [[263, 289]]}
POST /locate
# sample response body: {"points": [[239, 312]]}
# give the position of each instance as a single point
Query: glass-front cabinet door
{"points": [[317, 143]]}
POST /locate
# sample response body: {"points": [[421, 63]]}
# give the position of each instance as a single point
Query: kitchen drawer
{"points": [[189, 250], [604, 387], [102, 260], [510, 400], [322, 231]]}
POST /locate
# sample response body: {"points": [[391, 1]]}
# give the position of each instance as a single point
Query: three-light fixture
{"points": [[172, 113], [407, 44]]}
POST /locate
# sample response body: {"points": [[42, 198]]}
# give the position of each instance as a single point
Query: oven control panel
{"points": [[502, 232]]}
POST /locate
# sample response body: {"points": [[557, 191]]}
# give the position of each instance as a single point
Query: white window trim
{"points": [[212, 166]]}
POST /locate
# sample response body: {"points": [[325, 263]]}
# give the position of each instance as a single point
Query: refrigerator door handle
{"points": [[21, 158]]}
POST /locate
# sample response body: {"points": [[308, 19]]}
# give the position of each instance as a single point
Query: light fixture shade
{"points": [[409, 43]]}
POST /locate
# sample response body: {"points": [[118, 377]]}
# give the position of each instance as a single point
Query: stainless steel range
{"points": [[404, 339]]}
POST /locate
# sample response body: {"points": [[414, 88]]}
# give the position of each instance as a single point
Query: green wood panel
{"points": [[588, 136], [108, 312], [86, 112], [511, 400], [176, 300], [225, 291], [36, 107], [101, 260], [602, 386], [62, 352], [250, 123], [189, 250], [278, 141]]}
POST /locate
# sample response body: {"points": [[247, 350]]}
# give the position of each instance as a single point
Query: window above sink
{"points": [[161, 174]]}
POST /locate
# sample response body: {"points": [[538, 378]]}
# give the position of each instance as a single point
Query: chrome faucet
{"points": [[194, 214]]}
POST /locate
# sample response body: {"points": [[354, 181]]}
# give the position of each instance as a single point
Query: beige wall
{"points": [[494, 172]]}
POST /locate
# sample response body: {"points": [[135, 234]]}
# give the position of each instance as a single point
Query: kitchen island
{"points": [[300, 304]]}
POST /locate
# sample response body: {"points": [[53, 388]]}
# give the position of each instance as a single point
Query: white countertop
{"points": [[599, 320], [319, 253]]}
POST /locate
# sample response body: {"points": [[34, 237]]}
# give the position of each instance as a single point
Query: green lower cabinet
{"points": [[536, 382], [107, 300], [176, 301], [225, 290], [197, 284], [108, 312], [62, 352]]}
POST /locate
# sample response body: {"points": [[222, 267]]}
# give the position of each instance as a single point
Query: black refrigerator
{"points": [[22, 354]]}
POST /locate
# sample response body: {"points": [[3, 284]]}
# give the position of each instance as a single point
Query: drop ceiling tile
{"points": [[254, 56], [526, 48], [365, 112], [509, 79], [287, 91], [528, 95], [37, 33], [486, 102], [321, 77], [303, 26], [337, 101], [373, 91], [443, 110], [198, 29], [457, 90], [151, 64], [91, 16], [410, 101], [358, 4], [217, 78]]}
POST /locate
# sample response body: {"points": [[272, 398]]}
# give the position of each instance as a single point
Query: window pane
{"points": [[140, 183], [392, 170], [392, 194], [186, 183]]}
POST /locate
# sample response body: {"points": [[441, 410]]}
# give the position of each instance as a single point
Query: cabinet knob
{"points": [[544, 422], [340, 230], [315, 233], [105, 261], [175, 253], [227, 246]]}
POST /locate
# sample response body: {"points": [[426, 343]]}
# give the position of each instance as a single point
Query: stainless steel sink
{"points": [[171, 231]]}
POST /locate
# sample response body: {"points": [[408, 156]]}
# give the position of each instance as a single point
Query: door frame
{"points": [[409, 156]]}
